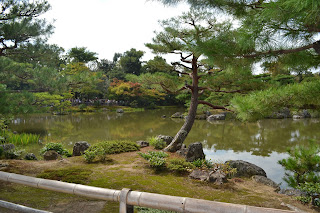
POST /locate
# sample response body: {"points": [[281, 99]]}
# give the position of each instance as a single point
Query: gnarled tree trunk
{"points": [[185, 129]]}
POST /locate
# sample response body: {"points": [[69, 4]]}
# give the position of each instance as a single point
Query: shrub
{"points": [[156, 159], [203, 163], [312, 191], [157, 143], [303, 162], [151, 154], [13, 154], [157, 163], [58, 147], [180, 165], [1, 151], [95, 151], [100, 150]]}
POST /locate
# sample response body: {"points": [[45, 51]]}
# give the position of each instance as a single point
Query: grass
{"points": [[129, 170], [22, 139]]}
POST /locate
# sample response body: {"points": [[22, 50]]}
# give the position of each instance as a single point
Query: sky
{"points": [[108, 26]]}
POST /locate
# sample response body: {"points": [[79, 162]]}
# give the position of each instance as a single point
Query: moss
{"points": [[70, 175]]}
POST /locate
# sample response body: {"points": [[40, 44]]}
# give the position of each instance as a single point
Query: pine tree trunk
{"points": [[185, 129]]}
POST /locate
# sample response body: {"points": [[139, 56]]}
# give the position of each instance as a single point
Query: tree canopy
{"points": [[20, 23]]}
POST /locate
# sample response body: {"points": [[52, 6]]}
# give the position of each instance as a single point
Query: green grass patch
{"points": [[70, 175]]}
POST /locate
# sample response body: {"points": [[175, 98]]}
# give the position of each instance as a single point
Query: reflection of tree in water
{"points": [[260, 138]]}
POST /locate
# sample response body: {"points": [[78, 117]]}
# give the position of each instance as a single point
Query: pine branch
{"points": [[213, 106]]}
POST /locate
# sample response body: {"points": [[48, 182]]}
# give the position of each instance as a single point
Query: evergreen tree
{"points": [[182, 36], [19, 23]]}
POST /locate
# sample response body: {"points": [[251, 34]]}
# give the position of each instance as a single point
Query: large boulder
{"points": [[51, 155], [194, 152], [142, 143], [217, 117], [266, 181], [165, 138], [246, 169], [79, 148]]}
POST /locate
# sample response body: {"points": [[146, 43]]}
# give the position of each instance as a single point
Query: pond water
{"points": [[262, 143]]}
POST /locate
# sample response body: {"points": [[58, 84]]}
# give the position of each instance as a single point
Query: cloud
{"points": [[107, 26]]}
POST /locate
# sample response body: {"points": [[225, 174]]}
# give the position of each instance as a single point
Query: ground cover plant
{"points": [[58, 147], [99, 151]]}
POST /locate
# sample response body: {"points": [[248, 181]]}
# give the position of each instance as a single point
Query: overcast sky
{"points": [[107, 26]]}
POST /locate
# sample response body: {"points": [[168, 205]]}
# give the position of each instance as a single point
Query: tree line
{"points": [[217, 45]]}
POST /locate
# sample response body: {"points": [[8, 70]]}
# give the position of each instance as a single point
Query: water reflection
{"points": [[263, 142]]}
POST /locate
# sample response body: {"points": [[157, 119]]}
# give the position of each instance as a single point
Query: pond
{"points": [[263, 142]]}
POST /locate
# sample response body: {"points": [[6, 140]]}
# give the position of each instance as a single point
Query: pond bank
{"points": [[129, 170]]}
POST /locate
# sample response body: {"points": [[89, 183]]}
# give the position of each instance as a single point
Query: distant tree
{"points": [[157, 64], [130, 61], [19, 23], [81, 54]]}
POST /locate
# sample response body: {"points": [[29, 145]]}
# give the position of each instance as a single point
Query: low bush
{"points": [[312, 193], [152, 154], [157, 163], [157, 143], [58, 147], [100, 150], [203, 163], [13, 154], [156, 159], [180, 165]]}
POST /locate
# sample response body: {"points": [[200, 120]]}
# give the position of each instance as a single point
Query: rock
{"points": [[295, 117], [266, 181], [281, 114], [119, 111], [292, 192], [194, 152], [165, 138], [305, 114], [216, 117], [177, 115], [30, 156], [218, 177], [8, 146], [182, 152], [202, 175], [246, 169], [51, 155], [163, 116], [143, 143], [79, 148]]}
